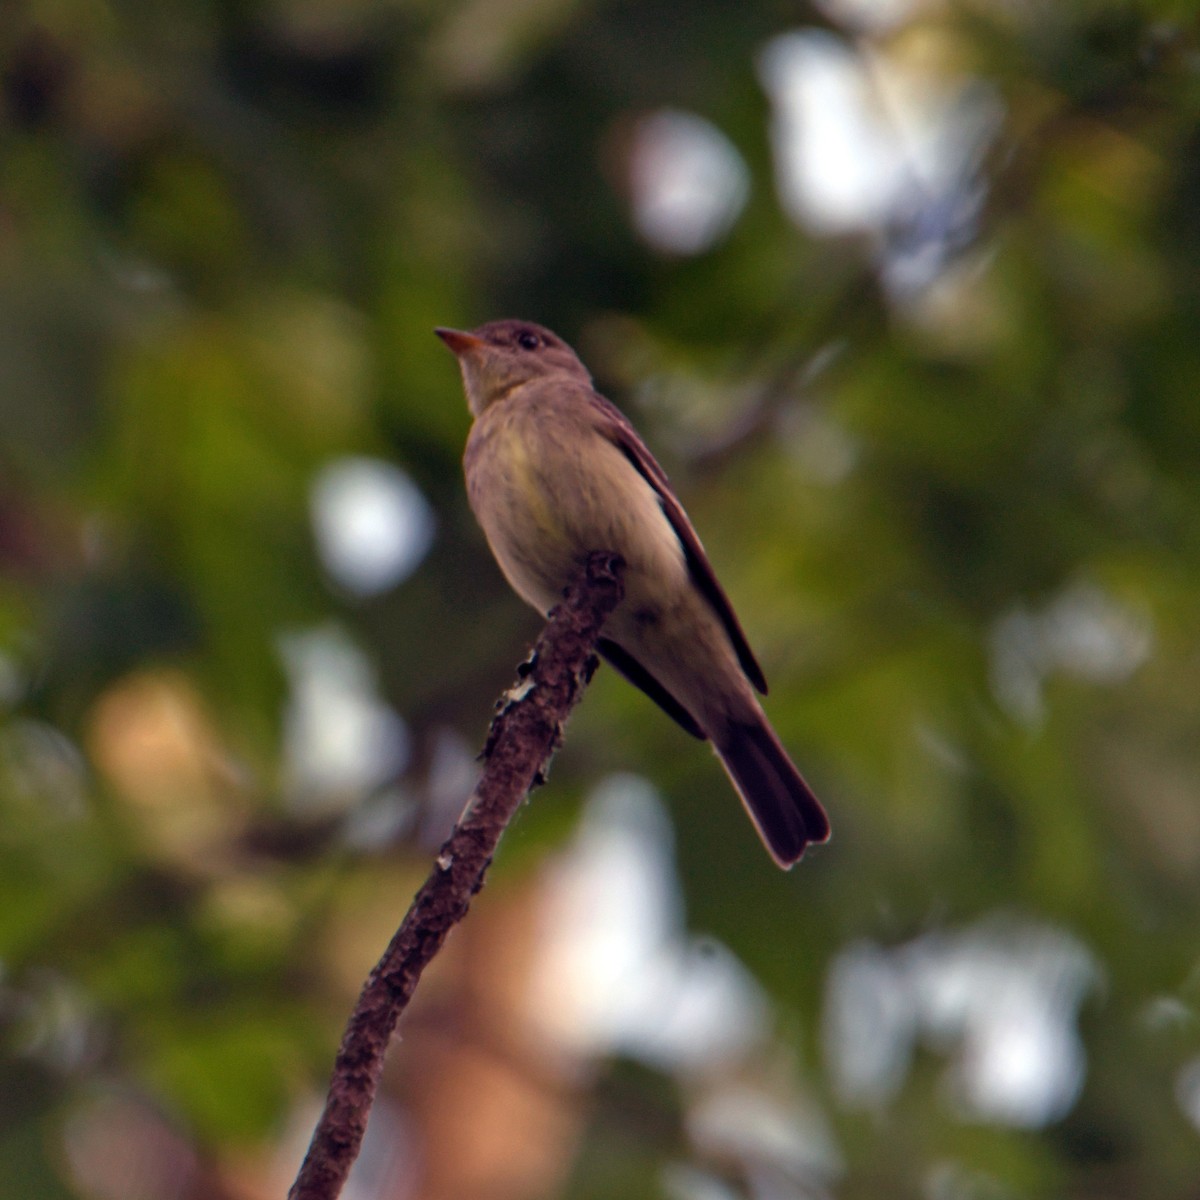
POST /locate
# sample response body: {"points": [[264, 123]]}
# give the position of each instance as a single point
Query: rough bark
{"points": [[524, 734]]}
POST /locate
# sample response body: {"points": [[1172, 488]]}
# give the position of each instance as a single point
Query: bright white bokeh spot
{"points": [[683, 1181], [1008, 999], [371, 522], [340, 739], [838, 168], [619, 972], [748, 1123], [1187, 1091], [866, 143], [1091, 635], [688, 181], [1000, 1000], [1083, 632], [870, 1023], [872, 16]]}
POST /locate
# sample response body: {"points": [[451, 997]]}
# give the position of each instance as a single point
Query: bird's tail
{"points": [[782, 806]]}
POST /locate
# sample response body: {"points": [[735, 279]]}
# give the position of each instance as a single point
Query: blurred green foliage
{"points": [[961, 521]]}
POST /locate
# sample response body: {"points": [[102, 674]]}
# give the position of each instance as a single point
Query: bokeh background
{"points": [[905, 294]]}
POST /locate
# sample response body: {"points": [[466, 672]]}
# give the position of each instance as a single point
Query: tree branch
{"points": [[523, 737]]}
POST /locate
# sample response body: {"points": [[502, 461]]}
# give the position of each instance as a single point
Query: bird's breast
{"points": [[548, 489]]}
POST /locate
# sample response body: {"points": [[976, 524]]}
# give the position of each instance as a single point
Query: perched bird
{"points": [[555, 471]]}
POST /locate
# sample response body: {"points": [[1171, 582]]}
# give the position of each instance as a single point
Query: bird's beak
{"points": [[459, 342]]}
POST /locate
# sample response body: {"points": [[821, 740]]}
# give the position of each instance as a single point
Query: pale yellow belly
{"points": [[544, 513]]}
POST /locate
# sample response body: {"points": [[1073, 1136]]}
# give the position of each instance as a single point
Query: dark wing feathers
{"points": [[613, 424], [620, 658]]}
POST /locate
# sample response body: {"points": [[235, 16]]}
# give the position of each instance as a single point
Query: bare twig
{"points": [[522, 739]]}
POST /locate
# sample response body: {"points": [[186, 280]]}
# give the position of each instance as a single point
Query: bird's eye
{"points": [[527, 340]]}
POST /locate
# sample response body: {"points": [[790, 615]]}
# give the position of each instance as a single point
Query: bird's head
{"points": [[501, 355]]}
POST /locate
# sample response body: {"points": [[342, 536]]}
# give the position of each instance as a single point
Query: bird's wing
{"points": [[621, 660], [613, 424]]}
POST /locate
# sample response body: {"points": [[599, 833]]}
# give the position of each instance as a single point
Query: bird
{"points": [[555, 471]]}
